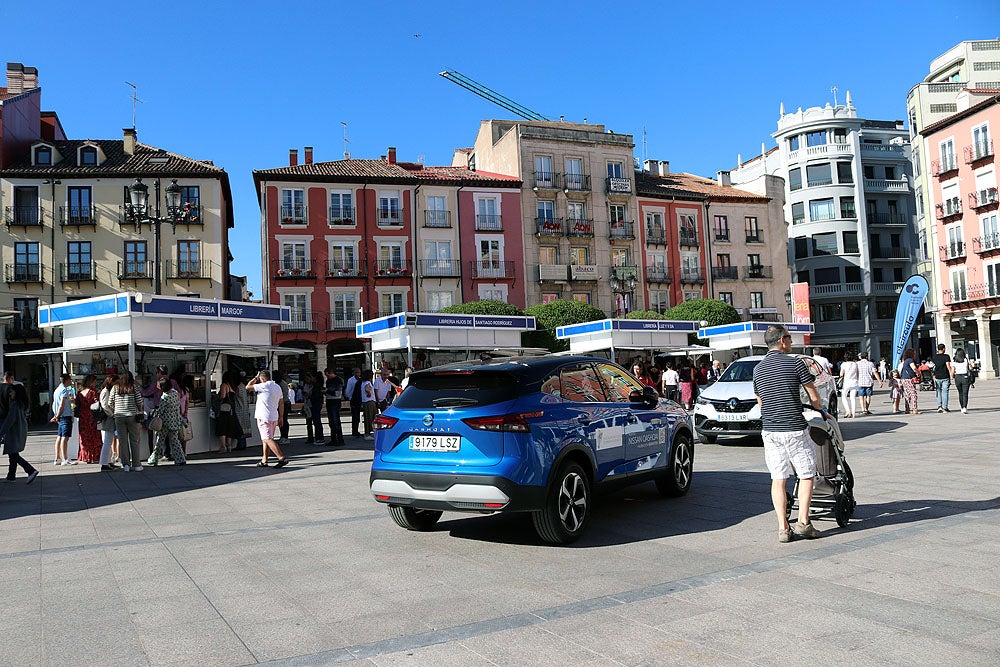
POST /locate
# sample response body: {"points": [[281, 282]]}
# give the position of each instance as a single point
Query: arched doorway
{"points": [[346, 353], [294, 366]]}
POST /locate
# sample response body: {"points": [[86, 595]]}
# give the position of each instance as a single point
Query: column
{"points": [[986, 371], [321, 357], [943, 329]]}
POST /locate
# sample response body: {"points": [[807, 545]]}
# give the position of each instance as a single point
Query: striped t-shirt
{"points": [[777, 380]]}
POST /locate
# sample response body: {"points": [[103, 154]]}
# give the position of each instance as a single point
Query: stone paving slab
{"points": [[221, 563]]}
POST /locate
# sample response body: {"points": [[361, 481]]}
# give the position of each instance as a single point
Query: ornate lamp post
{"points": [[623, 282], [138, 194]]}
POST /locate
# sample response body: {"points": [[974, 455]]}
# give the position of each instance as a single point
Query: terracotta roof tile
{"points": [[691, 186], [380, 171], [145, 161]]}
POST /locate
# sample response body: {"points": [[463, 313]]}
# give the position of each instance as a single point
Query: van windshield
{"points": [[456, 389], [739, 371]]}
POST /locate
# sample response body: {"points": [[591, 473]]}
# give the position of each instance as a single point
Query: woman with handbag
{"points": [[227, 425], [910, 376], [104, 417], [126, 403], [90, 436], [171, 425], [15, 432]]}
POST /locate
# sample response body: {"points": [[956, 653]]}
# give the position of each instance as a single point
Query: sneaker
{"points": [[32, 476], [947, 410], [806, 530], [964, 411], [137, 468], [940, 409], [126, 469], [57, 462], [107, 468], [369, 437], [785, 535], [283, 441], [70, 463]]}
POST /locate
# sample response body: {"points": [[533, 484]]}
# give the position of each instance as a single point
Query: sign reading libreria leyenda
{"points": [[911, 298]]}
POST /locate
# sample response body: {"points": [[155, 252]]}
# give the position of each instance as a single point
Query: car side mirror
{"points": [[647, 397]]}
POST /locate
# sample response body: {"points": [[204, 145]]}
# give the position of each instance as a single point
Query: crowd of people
{"points": [[679, 381]]}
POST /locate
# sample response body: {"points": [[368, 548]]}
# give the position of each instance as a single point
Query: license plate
{"points": [[435, 443], [731, 417]]}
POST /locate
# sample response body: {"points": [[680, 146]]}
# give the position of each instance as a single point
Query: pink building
{"points": [[964, 198]]}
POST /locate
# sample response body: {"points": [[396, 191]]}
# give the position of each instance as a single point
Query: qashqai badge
{"points": [[428, 419]]}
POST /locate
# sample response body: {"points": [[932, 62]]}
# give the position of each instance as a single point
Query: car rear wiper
{"points": [[454, 402]]}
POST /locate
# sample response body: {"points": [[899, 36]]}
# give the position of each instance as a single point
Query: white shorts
{"points": [[789, 451]]}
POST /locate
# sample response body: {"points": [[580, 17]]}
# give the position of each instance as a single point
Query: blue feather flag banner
{"points": [[911, 298]]}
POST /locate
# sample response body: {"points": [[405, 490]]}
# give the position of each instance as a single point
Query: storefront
{"points": [[138, 332]]}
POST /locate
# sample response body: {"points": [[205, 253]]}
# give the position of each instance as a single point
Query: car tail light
{"points": [[514, 423], [382, 422]]}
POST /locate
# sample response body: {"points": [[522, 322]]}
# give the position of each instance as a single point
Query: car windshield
{"points": [[456, 389], [739, 371]]}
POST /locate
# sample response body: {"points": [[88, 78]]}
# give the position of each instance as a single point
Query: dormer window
{"points": [[88, 156], [43, 155]]}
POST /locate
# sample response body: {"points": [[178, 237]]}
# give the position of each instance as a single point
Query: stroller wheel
{"points": [[789, 503], [843, 509]]}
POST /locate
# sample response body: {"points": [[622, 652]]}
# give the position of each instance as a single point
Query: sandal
{"points": [[261, 464], [281, 463]]}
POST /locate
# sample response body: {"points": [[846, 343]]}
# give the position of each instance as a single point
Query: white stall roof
{"points": [[750, 334], [445, 331], [627, 335]]}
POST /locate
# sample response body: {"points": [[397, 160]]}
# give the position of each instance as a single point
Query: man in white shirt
{"points": [[823, 361], [867, 374], [384, 389], [268, 411]]}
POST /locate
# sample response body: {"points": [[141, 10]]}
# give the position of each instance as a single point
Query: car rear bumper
{"points": [[455, 493]]}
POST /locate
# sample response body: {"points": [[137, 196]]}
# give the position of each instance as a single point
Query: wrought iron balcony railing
{"points": [[757, 272], [579, 228], [388, 217], [393, 268], [487, 269], [658, 274], [621, 230], [489, 222], [692, 276], [293, 214], [549, 227], [546, 180], [689, 239], [439, 219], [725, 272], [185, 269], [78, 216], [132, 270], [656, 236], [293, 268], [342, 216], [577, 182], [338, 268], [440, 268], [75, 272], [24, 272], [987, 243], [980, 150], [952, 251], [24, 216]]}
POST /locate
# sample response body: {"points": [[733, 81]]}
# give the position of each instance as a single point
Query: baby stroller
{"points": [[834, 483], [927, 381]]}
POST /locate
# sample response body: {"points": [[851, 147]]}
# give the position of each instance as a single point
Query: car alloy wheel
{"points": [[567, 506], [572, 502], [676, 478]]}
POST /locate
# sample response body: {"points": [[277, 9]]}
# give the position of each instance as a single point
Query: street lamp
{"points": [[788, 301], [138, 194], [623, 281]]}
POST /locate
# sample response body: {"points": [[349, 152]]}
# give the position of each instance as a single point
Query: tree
{"points": [[713, 311], [485, 307], [645, 315], [554, 314]]}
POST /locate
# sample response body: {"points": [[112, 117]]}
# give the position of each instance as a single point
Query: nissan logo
{"points": [[428, 419]]}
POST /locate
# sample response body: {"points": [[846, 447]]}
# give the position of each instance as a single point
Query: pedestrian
{"points": [[109, 444], [334, 392], [63, 400], [883, 368], [242, 411], [353, 392], [279, 377], [688, 385], [943, 375], [14, 431], [168, 438], [715, 371], [849, 385], [270, 406], [963, 379], [823, 361], [669, 381], [227, 424], [368, 403], [317, 399], [150, 392], [90, 436], [180, 382], [788, 447], [867, 374], [895, 390], [126, 404], [385, 390], [909, 379]]}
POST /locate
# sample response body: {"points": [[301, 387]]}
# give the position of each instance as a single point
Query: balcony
{"points": [[887, 289], [952, 251], [293, 269], [986, 244], [437, 219], [882, 150], [836, 147], [393, 268], [983, 199], [757, 272], [78, 216], [132, 270], [486, 269], [293, 214], [549, 227], [440, 268], [190, 214], [546, 180], [24, 216], [950, 207], [943, 168], [618, 185], [389, 217], [342, 321], [342, 216], [577, 183], [22, 328], [24, 273], [955, 296], [722, 236], [886, 185], [816, 182], [489, 222], [305, 321], [725, 273], [981, 150], [339, 268], [583, 272], [688, 239], [621, 230], [888, 219], [552, 273], [77, 272], [656, 236], [878, 252], [188, 269], [580, 228], [836, 290], [754, 238], [658, 274], [692, 276]]}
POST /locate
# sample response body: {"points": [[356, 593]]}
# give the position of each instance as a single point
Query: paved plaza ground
{"points": [[222, 563]]}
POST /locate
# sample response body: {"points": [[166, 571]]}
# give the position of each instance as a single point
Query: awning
{"points": [[235, 350]]}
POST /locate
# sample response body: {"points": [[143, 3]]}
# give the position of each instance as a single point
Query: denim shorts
{"points": [[864, 391], [65, 427]]}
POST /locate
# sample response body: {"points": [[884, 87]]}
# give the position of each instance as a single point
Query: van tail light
{"points": [[514, 423], [382, 422]]}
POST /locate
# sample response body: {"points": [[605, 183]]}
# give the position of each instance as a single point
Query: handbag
{"points": [[187, 433], [154, 423], [99, 414]]}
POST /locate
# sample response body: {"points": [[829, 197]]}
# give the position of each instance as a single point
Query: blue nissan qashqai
{"points": [[534, 434]]}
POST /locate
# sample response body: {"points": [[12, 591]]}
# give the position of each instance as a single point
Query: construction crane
{"points": [[491, 95]]}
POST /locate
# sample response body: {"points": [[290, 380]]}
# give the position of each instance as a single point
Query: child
{"points": [[895, 390]]}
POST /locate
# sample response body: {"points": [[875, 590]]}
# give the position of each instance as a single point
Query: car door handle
{"points": [[584, 420]]}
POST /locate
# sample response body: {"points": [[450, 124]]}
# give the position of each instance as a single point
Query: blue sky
{"points": [[240, 83]]}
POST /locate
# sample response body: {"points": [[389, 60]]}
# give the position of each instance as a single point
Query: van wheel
{"points": [[676, 479], [706, 439], [567, 506], [412, 518]]}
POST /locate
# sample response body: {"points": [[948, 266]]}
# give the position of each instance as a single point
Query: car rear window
{"points": [[739, 371], [457, 389]]}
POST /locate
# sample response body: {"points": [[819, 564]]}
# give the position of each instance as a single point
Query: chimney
{"points": [[30, 78], [649, 166], [723, 178], [664, 167], [128, 141], [308, 150], [293, 157], [391, 154], [15, 78]]}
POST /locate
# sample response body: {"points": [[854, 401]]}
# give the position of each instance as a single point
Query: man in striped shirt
{"points": [[867, 374], [787, 445]]}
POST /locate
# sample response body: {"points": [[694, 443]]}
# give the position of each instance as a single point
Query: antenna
{"points": [[135, 100], [347, 153], [834, 91], [644, 156], [491, 95]]}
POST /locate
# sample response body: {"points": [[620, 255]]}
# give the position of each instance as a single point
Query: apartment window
{"points": [[659, 301], [991, 233], [345, 310], [548, 255], [342, 208], [795, 179], [885, 310], [869, 171], [579, 255], [830, 312], [828, 276], [620, 257], [298, 304], [752, 228], [389, 212], [575, 211], [850, 242], [818, 174], [992, 279], [798, 213], [981, 141], [188, 258], [688, 228], [852, 310], [616, 169], [26, 318], [78, 260], [43, 155], [391, 302], [544, 178], [845, 174], [546, 218], [488, 214], [947, 155], [655, 231], [135, 259], [26, 210], [723, 260], [616, 213], [390, 256], [847, 208], [802, 247], [582, 297], [574, 174], [80, 205], [756, 299], [816, 138], [793, 143], [690, 295], [753, 260], [852, 274], [726, 297], [437, 258], [293, 206], [958, 286], [839, 135], [825, 244], [26, 262], [821, 209], [549, 297], [721, 227], [438, 300], [88, 156], [890, 173], [293, 257], [342, 258]]}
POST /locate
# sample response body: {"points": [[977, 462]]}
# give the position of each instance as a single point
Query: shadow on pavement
{"points": [[867, 517]]}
